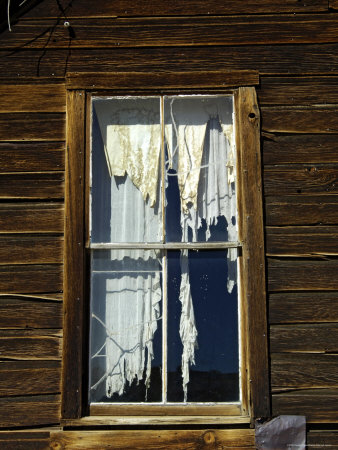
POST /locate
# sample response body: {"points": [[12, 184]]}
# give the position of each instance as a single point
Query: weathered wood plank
{"points": [[319, 439], [177, 31], [286, 275], [191, 7], [301, 241], [26, 312], [318, 405], [159, 439], [298, 90], [74, 257], [300, 179], [297, 370], [24, 440], [32, 157], [29, 378], [147, 80], [300, 120], [25, 185], [22, 347], [304, 338], [31, 278], [253, 262], [35, 345], [189, 412], [303, 307], [301, 210], [32, 126], [31, 218], [31, 249], [304, 148], [50, 98], [29, 411], [267, 59]]}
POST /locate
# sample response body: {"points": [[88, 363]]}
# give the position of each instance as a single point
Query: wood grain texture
{"points": [[267, 59], [304, 338], [153, 80], [32, 127], [31, 249], [297, 120], [30, 278], [318, 405], [141, 421], [298, 91], [31, 218], [252, 234], [303, 307], [301, 179], [32, 157], [29, 378], [32, 185], [287, 275], [319, 439], [301, 241], [299, 371], [29, 411], [22, 347], [190, 412], [304, 148], [49, 98], [175, 7], [26, 312], [24, 440], [160, 439], [174, 31], [301, 210], [74, 257]]}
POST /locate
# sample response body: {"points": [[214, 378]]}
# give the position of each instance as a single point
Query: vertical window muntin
{"points": [[166, 247]]}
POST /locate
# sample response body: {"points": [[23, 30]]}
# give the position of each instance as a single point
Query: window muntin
{"points": [[179, 126]]}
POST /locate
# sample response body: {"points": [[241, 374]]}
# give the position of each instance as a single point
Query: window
{"points": [[163, 240], [172, 276]]}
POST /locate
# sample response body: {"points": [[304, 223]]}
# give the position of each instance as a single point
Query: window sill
{"points": [[98, 421]]}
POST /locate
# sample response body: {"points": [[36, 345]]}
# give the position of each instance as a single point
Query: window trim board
{"points": [[255, 381]]}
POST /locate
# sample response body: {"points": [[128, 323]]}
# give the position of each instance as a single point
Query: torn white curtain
{"points": [[133, 294], [132, 140], [132, 311], [205, 164]]}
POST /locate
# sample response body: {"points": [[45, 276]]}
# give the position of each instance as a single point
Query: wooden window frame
{"points": [[255, 401]]}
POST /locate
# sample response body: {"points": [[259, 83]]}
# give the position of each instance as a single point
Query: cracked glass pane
{"points": [[126, 318]]}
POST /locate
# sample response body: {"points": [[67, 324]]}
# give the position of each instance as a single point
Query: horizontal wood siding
{"points": [[32, 143], [300, 178], [293, 46], [140, 32], [161, 439]]}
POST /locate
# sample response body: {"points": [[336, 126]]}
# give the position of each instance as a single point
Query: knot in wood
{"points": [[209, 437], [56, 445]]}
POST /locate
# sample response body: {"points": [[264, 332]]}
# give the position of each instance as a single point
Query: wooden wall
{"points": [[294, 46]]}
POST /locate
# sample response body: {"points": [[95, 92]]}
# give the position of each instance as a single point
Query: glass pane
{"points": [[200, 169], [215, 375], [126, 326], [125, 193]]}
